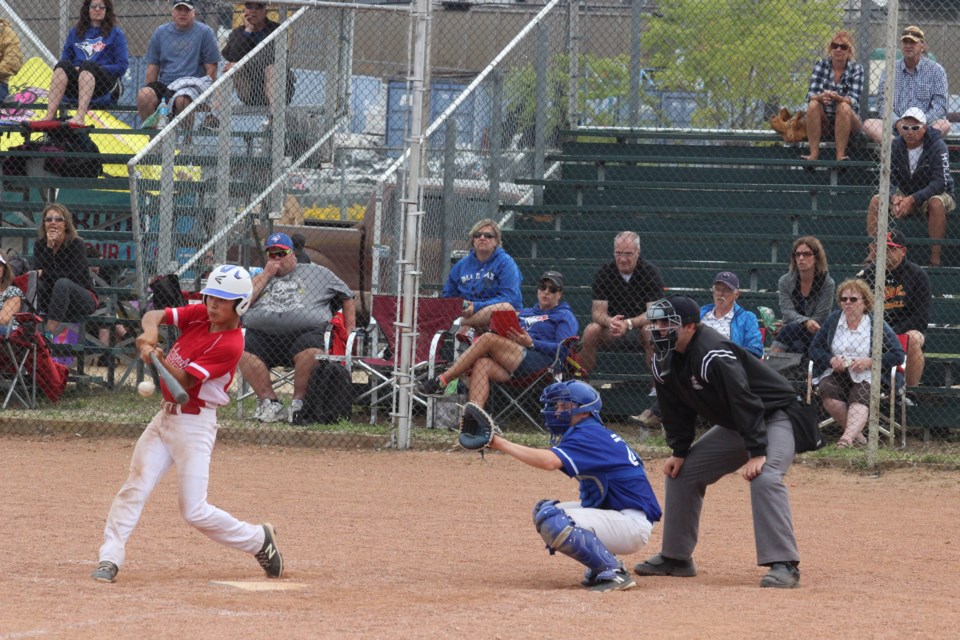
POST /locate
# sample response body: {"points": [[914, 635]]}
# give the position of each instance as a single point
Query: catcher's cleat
{"points": [[618, 580], [660, 565], [105, 572], [430, 387], [269, 556], [782, 575]]}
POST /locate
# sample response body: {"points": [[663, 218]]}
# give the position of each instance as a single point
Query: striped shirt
{"points": [[850, 85], [925, 88]]}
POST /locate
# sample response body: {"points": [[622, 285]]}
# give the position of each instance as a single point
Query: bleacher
{"points": [[705, 202]]}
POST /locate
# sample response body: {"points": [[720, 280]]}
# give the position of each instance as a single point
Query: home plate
{"points": [[271, 585]]}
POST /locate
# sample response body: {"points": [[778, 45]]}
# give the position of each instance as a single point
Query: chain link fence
{"points": [[555, 128]]}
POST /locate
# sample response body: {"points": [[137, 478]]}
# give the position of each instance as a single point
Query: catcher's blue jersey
{"points": [[611, 474]]}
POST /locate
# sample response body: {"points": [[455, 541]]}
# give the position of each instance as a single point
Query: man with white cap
{"points": [[918, 82], [920, 180]]}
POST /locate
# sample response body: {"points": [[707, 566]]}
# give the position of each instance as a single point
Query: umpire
{"points": [[697, 371]]}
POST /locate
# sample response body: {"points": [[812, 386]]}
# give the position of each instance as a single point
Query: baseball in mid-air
{"points": [[146, 388]]}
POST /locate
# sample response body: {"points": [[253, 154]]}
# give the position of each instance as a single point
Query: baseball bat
{"points": [[173, 385]]}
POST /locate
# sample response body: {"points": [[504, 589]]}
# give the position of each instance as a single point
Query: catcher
{"points": [[617, 506]]}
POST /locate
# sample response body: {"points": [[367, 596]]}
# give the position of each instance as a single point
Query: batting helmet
{"points": [[230, 282]]}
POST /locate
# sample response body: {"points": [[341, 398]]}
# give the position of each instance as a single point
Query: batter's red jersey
{"points": [[209, 357]]}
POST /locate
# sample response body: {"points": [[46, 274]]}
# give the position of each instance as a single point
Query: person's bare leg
{"points": [[815, 118], [846, 123], [936, 227], [837, 409], [485, 346], [856, 421], [484, 371], [257, 375], [593, 337], [915, 359], [872, 212], [85, 87], [481, 319], [303, 364], [147, 103], [873, 129], [58, 86]]}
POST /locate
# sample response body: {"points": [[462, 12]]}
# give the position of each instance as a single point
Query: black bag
{"points": [[54, 143], [806, 427], [166, 292], [329, 395]]}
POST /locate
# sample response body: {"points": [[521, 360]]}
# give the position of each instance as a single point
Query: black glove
{"points": [[476, 428]]}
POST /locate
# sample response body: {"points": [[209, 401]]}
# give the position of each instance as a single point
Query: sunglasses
{"points": [[850, 299], [254, 5], [803, 254], [279, 254], [53, 219], [910, 127], [837, 45], [484, 234], [98, 7], [549, 287]]}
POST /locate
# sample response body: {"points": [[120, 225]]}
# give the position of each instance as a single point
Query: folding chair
{"points": [[437, 318], [516, 391], [18, 363]]}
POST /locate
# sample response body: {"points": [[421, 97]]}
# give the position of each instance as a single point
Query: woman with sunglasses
{"points": [[841, 354], [487, 278], [833, 99], [93, 60], [806, 296], [518, 354], [65, 291]]}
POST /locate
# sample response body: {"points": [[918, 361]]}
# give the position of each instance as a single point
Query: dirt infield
{"points": [[432, 544]]}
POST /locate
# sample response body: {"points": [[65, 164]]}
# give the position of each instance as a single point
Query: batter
{"points": [[203, 360]]}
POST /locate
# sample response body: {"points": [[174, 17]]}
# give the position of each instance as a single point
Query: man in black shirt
{"points": [[622, 290], [699, 372], [255, 81]]}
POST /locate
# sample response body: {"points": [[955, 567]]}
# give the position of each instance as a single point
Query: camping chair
{"points": [[898, 393], [25, 364], [437, 318], [516, 391]]}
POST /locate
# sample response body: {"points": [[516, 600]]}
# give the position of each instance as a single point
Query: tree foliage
{"points": [[740, 57]]}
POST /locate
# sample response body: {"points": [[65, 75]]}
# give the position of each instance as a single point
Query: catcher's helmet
{"points": [[584, 398], [676, 311], [230, 282]]}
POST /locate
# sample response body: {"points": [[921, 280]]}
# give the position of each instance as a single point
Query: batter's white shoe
{"points": [[105, 572], [272, 411], [269, 556]]}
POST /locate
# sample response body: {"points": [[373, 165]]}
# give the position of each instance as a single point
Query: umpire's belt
{"points": [[172, 408]]}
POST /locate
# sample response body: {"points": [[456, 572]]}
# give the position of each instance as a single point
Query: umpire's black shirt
{"points": [[723, 383]]}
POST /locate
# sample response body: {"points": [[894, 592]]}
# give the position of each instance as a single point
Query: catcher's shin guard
{"points": [[562, 534]]}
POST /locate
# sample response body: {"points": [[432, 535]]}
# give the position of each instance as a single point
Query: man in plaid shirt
{"points": [[918, 82]]}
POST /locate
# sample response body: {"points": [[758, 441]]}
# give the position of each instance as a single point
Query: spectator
{"points": [[918, 82], [841, 353], [806, 296], [833, 100], [65, 291], [299, 248], [93, 60], [106, 276], [622, 291], [11, 58], [254, 82], [730, 320], [11, 299], [906, 306], [487, 278], [519, 354], [920, 180], [181, 62], [292, 305]]}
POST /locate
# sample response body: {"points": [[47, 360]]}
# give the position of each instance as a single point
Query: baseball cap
{"points": [[912, 33], [895, 238], [281, 240], [554, 277], [186, 3], [728, 278], [916, 114], [685, 307]]}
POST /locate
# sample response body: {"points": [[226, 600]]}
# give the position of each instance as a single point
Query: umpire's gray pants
{"points": [[721, 451]]}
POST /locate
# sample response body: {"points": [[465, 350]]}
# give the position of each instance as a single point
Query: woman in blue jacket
{"points": [[93, 60], [487, 278], [518, 354]]}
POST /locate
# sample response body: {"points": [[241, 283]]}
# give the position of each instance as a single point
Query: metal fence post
{"points": [[449, 179], [541, 116], [496, 144], [635, 68]]}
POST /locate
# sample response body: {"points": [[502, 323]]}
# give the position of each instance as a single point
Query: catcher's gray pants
{"points": [[721, 451]]}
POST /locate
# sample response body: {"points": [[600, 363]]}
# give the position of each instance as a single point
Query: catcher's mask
{"points": [[582, 396], [666, 317]]}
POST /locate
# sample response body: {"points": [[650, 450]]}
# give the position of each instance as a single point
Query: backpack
{"points": [[57, 141], [329, 395]]}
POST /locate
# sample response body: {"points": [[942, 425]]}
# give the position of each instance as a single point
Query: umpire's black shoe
{"points": [[660, 565], [105, 572], [782, 575], [269, 556], [430, 387]]}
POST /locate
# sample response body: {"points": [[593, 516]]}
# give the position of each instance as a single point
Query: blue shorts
{"points": [[533, 362]]}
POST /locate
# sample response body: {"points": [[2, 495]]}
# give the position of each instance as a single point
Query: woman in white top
{"points": [[841, 354]]}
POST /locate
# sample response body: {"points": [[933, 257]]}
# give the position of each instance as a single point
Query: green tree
{"points": [[740, 57]]}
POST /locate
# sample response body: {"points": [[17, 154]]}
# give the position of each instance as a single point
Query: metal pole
{"points": [[876, 346], [496, 145], [573, 50], [448, 204], [541, 113], [863, 46], [635, 69], [422, 11]]}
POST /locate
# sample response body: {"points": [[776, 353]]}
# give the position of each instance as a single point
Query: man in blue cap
{"points": [[292, 305]]}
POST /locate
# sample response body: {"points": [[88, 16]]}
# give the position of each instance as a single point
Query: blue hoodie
{"points": [[744, 328], [549, 328], [110, 51], [497, 279]]}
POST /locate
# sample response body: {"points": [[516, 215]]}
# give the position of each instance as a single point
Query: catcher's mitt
{"points": [[476, 428]]}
